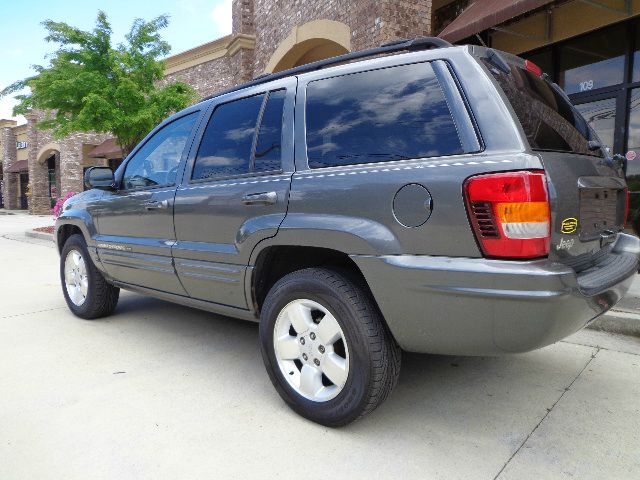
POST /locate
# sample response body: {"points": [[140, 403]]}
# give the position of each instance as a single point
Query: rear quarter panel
{"points": [[350, 208]]}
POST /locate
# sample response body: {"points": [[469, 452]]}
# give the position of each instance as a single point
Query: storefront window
{"points": [[636, 56], [594, 61], [601, 116], [633, 142]]}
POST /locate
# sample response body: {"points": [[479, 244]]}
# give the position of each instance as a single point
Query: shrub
{"points": [[57, 208]]}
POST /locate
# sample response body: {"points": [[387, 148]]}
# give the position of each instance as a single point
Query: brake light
{"points": [[533, 68], [509, 213]]}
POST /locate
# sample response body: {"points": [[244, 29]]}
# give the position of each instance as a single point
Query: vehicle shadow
{"points": [[485, 398]]}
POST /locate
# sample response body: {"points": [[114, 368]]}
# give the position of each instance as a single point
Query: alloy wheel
{"points": [[311, 350], [75, 277]]}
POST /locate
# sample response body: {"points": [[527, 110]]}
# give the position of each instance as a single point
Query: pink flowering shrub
{"points": [[58, 206]]}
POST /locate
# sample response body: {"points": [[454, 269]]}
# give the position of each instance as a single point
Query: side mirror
{"points": [[99, 177]]}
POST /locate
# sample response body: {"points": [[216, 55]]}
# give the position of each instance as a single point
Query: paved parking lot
{"points": [[160, 391]]}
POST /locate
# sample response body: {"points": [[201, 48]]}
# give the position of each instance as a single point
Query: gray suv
{"points": [[416, 197]]}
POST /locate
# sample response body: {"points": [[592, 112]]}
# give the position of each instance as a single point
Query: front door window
{"points": [[156, 162]]}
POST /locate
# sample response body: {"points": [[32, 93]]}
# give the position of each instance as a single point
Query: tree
{"points": [[90, 86]]}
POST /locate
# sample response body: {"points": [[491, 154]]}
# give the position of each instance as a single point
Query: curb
{"points": [[39, 235], [624, 322]]}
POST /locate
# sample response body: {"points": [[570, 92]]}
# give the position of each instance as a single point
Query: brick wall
{"points": [[372, 22], [69, 158], [8, 154], [207, 78]]}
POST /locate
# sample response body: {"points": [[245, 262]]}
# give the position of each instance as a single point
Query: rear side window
{"points": [[394, 113], [548, 118]]}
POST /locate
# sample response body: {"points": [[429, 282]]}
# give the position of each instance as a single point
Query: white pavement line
{"points": [[30, 313], [33, 241], [601, 348], [593, 355]]}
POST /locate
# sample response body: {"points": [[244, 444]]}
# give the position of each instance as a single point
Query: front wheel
{"points": [[325, 346], [87, 293]]}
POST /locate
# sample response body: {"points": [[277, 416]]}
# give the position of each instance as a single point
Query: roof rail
{"points": [[420, 43]]}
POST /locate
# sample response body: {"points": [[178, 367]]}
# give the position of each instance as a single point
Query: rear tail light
{"points": [[509, 213], [533, 68]]}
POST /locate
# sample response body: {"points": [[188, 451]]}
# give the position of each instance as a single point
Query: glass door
{"points": [[632, 153]]}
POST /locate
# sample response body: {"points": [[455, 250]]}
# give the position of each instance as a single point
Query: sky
{"points": [[22, 44]]}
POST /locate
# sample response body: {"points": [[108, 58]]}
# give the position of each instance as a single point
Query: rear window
{"points": [[548, 118], [394, 113]]}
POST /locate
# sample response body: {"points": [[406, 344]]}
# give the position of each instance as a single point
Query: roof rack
{"points": [[420, 43]]}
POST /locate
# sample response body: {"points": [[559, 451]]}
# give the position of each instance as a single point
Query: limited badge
{"points": [[569, 225]]}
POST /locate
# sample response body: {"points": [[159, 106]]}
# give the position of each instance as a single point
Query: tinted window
{"points": [[268, 146], [389, 114], [548, 118], [225, 149], [156, 163]]}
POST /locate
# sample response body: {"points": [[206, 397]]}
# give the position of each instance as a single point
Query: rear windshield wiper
{"points": [[594, 145]]}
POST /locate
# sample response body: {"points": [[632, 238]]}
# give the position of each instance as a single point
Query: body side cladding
{"points": [[217, 308]]}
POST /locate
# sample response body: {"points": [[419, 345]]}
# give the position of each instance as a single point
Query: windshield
{"points": [[548, 118]]}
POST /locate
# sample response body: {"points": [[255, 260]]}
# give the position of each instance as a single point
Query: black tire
{"points": [[102, 297], [374, 356]]}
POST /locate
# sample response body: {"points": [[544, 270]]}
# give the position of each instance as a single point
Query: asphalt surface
{"points": [[160, 391]]}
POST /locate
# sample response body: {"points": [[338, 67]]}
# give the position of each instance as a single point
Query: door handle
{"points": [[265, 198], [155, 205]]}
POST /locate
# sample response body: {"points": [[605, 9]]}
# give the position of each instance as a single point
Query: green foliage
{"points": [[92, 86]]}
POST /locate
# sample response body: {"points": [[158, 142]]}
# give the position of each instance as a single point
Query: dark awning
{"points": [[107, 149], [19, 166], [484, 14]]}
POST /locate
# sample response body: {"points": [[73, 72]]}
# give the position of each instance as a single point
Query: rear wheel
{"points": [[326, 348], [87, 293]]}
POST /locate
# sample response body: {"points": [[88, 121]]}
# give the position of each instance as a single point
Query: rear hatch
{"points": [[587, 188]]}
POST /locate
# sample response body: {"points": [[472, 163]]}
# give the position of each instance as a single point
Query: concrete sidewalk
{"points": [[158, 391]]}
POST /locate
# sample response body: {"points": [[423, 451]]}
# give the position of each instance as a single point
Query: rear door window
{"points": [[267, 156], [394, 113], [227, 142], [229, 145]]}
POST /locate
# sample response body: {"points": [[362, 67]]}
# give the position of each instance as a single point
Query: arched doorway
{"points": [[46, 174], [310, 42]]}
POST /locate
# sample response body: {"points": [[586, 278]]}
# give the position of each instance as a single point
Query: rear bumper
{"points": [[471, 306]]}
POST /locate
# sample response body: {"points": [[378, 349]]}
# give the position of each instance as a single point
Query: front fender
{"points": [[82, 221]]}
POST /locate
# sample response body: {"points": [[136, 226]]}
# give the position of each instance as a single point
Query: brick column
{"points": [[39, 200], [242, 17], [241, 50], [71, 165], [8, 154]]}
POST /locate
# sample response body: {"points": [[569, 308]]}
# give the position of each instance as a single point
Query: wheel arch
{"points": [[273, 262]]}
